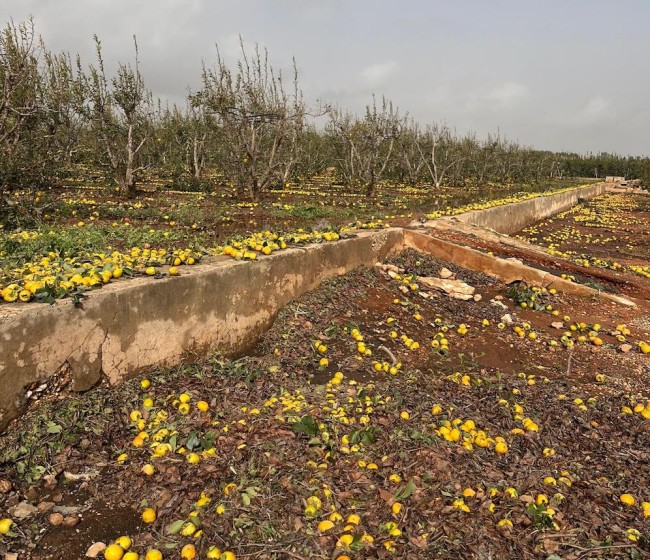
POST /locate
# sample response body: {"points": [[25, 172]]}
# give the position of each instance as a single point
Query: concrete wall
{"points": [[506, 270], [133, 325], [511, 218]]}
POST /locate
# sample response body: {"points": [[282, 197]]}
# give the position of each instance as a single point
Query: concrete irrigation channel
{"points": [[222, 304]]}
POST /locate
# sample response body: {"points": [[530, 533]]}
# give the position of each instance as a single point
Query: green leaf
{"points": [[53, 428], [175, 527], [193, 440], [246, 499], [207, 441], [405, 491], [307, 425]]}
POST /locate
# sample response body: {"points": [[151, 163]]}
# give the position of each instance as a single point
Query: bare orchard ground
{"points": [[510, 440], [606, 238]]}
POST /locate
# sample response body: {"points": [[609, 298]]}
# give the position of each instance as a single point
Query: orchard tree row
{"points": [[247, 124]]}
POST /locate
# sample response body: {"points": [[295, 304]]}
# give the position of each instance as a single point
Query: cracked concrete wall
{"points": [[511, 218], [129, 326]]}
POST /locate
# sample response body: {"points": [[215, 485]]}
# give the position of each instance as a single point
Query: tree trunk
{"points": [[370, 191], [197, 157], [256, 190], [129, 178]]}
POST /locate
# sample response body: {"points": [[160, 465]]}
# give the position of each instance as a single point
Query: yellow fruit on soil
{"points": [[325, 526], [188, 529], [184, 408], [353, 519], [173, 271], [24, 296], [193, 458], [214, 553], [501, 447], [633, 534], [154, 554], [203, 406], [5, 525], [645, 506], [188, 552], [228, 555], [131, 556], [145, 383], [124, 542], [148, 470], [150, 271], [114, 552], [454, 435], [627, 499], [149, 515]]}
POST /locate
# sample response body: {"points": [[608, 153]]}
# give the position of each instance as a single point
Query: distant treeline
{"points": [[247, 124]]}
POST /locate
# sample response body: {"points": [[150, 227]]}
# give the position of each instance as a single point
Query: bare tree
{"points": [[120, 113], [411, 160], [184, 135], [368, 143], [20, 98], [62, 121], [442, 153], [259, 121], [38, 126]]}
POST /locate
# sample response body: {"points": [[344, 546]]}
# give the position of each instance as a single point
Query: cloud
{"points": [[504, 96], [376, 74], [596, 111], [507, 94], [230, 47]]}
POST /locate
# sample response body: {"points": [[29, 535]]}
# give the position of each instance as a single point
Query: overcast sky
{"points": [[558, 74]]}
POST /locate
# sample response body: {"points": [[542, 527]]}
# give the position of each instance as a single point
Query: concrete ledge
{"points": [[505, 270], [511, 218], [127, 327]]}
